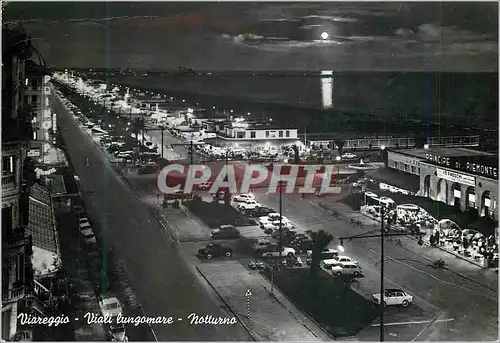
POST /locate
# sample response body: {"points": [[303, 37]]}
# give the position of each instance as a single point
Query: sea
{"points": [[366, 103]]}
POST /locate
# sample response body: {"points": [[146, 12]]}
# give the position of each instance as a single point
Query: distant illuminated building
{"points": [[327, 88]]}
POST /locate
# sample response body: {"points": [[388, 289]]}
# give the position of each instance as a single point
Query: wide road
{"points": [[158, 275], [469, 299]]}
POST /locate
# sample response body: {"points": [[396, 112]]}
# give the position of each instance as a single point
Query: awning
{"points": [[41, 223], [484, 225], [396, 178]]}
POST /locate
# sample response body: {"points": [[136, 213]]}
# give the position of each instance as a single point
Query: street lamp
{"points": [[338, 158], [382, 236]]}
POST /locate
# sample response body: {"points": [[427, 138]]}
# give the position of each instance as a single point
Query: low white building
{"points": [[239, 129]]}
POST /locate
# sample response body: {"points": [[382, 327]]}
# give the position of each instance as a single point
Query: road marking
{"points": [[416, 322]]}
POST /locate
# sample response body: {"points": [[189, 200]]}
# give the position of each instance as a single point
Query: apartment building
{"points": [[17, 177]]}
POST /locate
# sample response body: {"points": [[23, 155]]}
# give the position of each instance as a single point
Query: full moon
{"points": [[325, 35]]}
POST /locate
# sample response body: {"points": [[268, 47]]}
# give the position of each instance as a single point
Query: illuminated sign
{"points": [[34, 153], [456, 177], [482, 165]]}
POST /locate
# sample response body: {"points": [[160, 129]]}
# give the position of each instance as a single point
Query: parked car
{"points": [[215, 250], [274, 251], [249, 205], [83, 220], [270, 227], [394, 297], [287, 233], [343, 259], [88, 236], [263, 244], [256, 264], [347, 269], [260, 212], [243, 197], [225, 232], [116, 333], [110, 307], [271, 218], [205, 186], [348, 155]]}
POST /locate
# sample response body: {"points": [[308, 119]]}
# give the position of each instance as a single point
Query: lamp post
{"points": [[338, 158], [382, 236]]}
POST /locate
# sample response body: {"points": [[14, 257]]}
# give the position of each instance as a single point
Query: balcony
{"points": [[16, 239], [8, 182], [16, 129], [13, 294]]}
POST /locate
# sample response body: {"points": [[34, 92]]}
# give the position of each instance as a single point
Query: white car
{"points": [[88, 236], [348, 155], [243, 197], [272, 226], [285, 251], [249, 205], [83, 220], [110, 307], [344, 259], [205, 185], [394, 297], [84, 225], [272, 217], [347, 268]]}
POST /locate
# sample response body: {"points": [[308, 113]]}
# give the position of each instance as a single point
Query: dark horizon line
{"points": [[192, 72]]}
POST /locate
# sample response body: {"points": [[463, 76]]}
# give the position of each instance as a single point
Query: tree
{"points": [[227, 198], [340, 146], [296, 156], [320, 239]]}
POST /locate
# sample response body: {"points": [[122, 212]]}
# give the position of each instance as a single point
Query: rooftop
{"points": [[445, 152]]}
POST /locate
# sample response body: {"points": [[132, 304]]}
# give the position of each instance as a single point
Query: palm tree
{"points": [[320, 239], [340, 145]]}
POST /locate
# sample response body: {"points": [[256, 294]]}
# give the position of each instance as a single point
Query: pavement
{"points": [[457, 303], [260, 310], [463, 295], [153, 264]]}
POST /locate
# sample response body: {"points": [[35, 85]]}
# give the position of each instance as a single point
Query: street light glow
{"points": [[325, 35], [338, 158]]}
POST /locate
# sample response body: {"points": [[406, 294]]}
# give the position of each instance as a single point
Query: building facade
{"points": [[460, 177], [37, 93], [18, 176], [364, 143]]}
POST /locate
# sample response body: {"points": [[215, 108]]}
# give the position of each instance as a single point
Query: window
{"points": [[395, 165], [6, 221], [252, 134], [418, 170], [281, 134], [406, 167], [413, 169], [267, 134], [34, 135], [8, 164], [34, 99], [287, 133], [240, 134]]}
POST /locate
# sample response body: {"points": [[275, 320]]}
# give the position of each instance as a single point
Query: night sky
{"points": [[264, 36]]}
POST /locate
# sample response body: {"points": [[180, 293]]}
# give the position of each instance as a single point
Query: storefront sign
{"points": [[34, 153], [481, 165], [456, 177]]}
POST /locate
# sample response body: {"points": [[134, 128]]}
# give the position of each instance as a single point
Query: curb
{"points": [[229, 307]]}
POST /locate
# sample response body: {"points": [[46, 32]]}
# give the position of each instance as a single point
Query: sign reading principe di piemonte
{"points": [[456, 177], [479, 165]]}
